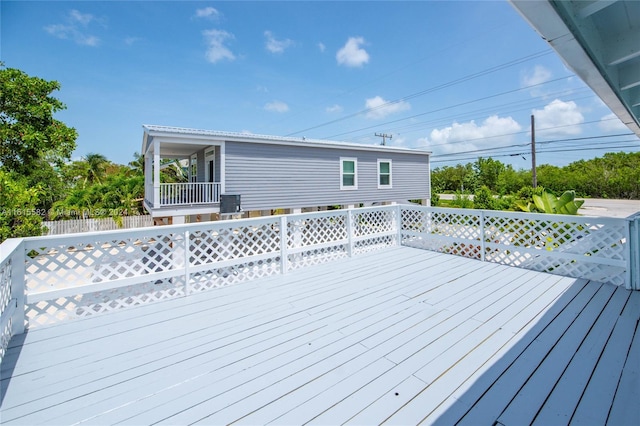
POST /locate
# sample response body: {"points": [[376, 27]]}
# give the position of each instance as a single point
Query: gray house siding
{"points": [[269, 176]]}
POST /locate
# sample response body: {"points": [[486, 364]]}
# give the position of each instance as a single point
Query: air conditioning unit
{"points": [[230, 204]]}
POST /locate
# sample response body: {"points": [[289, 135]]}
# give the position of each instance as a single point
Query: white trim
{"points": [[390, 185], [208, 137], [355, 174]]}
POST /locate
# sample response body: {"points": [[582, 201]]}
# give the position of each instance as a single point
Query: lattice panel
{"points": [[577, 267], [588, 241], [308, 231], [5, 338], [374, 222], [222, 277], [50, 312], [455, 225], [70, 264], [209, 246], [584, 238], [5, 284], [317, 256], [470, 249], [374, 244]]}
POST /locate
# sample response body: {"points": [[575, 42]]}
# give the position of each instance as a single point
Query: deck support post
{"points": [[482, 238], [284, 257], [350, 232]]}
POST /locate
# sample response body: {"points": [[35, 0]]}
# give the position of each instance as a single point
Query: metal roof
{"points": [[600, 41], [191, 136]]}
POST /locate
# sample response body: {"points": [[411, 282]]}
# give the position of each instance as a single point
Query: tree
{"points": [[19, 216], [487, 171], [96, 168], [28, 131]]}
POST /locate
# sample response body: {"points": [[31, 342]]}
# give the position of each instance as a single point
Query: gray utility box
{"points": [[229, 204]]}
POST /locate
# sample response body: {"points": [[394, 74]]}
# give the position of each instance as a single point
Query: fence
{"points": [[61, 227], [45, 280]]}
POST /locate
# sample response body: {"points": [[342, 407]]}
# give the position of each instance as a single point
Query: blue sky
{"points": [[454, 77]]}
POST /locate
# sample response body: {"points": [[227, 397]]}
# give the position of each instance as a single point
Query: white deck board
{"points": [[401, 335]]}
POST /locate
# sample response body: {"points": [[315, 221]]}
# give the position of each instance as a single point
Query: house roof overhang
{"points": [[182, 142], [600, 41]]}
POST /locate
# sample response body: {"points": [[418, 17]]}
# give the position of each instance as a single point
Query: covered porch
{"points": [[199, 173]]}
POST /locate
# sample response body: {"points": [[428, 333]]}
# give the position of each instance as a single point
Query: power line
{"points": [[611, 149], [446, 120], [433, 89]]}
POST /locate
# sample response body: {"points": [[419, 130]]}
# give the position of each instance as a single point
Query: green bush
{"points": [[483, 199], [462, 201]]}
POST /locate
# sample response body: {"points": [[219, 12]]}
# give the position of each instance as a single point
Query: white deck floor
{"points": [[400, 336]]}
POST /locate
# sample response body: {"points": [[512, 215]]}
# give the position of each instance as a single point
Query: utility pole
{"points": [[533, 151], [384, 137]]}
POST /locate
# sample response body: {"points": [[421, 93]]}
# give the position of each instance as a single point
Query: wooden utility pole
{"points": [[533, 151], [384, 137]]}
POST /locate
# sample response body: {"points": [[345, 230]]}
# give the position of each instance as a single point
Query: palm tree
{"points": [[137, 165], [96, 167]]}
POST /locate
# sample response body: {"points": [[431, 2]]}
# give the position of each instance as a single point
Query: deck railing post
{"points": [[482, 237], [187, 285], [18, 287], [398, 224], [284, 256], [350, 232], [633, 252]]}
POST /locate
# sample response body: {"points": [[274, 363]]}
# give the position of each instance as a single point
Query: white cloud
{"points": [[351, 54], [611, 123], [322, 47], [334, 109], [379, 108], [498, 131], [274, 45], [82, 18], [216, 50], [208, 13], [75, 29], [538, 75], [276, 106], [558, 118]]}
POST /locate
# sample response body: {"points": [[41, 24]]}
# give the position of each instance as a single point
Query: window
{"points": [[348, 173], [384, 173]]}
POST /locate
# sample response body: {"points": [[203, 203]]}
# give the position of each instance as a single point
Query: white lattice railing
{"points": [[12, 292], [81, 275], [583, 247], [45, 280], [179, 194]]}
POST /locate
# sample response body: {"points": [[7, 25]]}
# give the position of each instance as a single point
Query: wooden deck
{"points": [[401, 336]]}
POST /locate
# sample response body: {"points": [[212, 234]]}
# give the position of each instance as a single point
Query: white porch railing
{"points": [[45, 280], [180, 194]]}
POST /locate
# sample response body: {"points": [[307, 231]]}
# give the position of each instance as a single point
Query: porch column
{"points": [[148, 178], [156, 174]]}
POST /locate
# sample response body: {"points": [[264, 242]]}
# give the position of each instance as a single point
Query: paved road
{"points": [[609, 208], [597, 206]]}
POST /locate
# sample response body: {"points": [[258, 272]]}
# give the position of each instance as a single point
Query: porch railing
{"points": [[45, 280], [180, 194]]}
